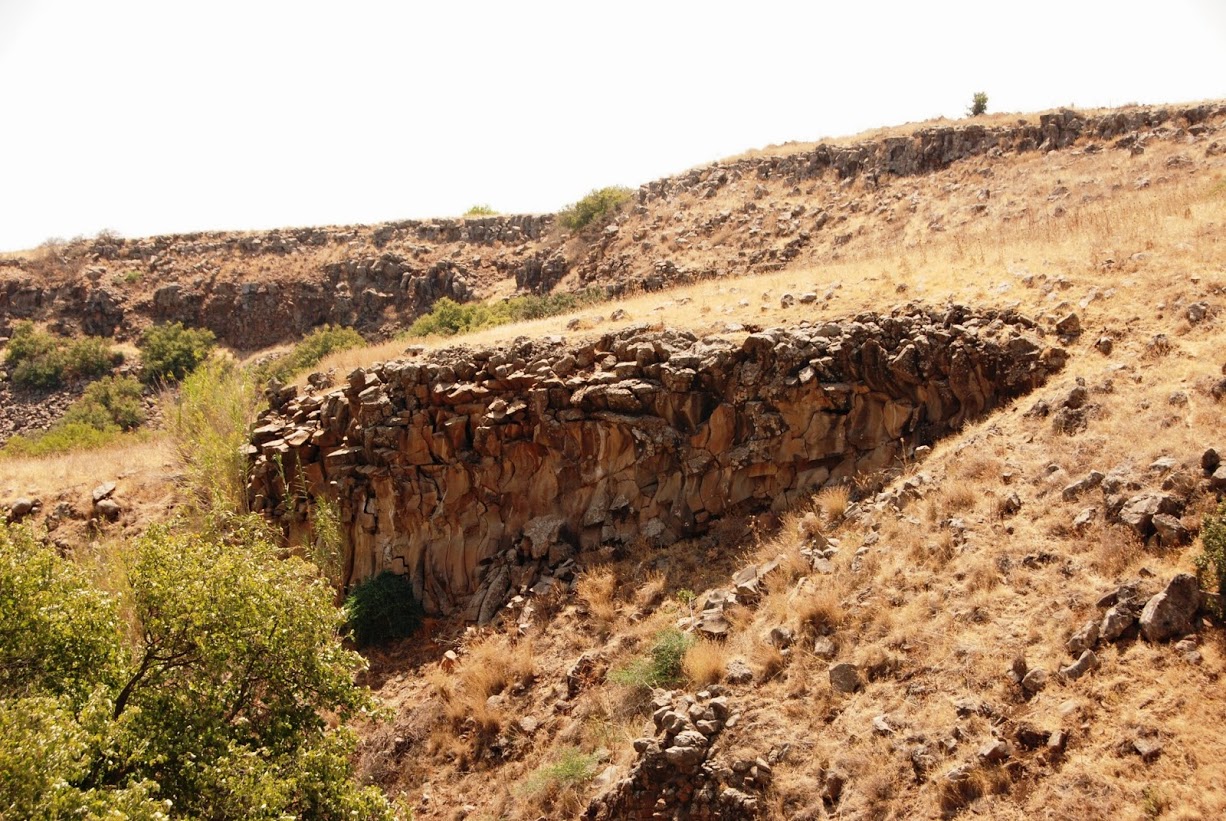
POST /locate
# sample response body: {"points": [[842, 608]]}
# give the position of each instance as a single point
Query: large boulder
{"points": [[1172, 613]]}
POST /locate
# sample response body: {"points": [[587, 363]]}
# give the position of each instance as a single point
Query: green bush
{"points": [[309, 352], [979, 104], [108, 407], [213, 693], [382, 609], [480, 211], [449, 317], [41, 360], [1211, 563], [170, 352], [595, 207], [113, 401], [662, 666]]}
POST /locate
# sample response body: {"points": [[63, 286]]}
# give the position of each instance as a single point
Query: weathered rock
{"points": [[1084, 664], [994, 751], [1116, 622], [738, 672], [22, 508], [108, 509], [1170, 531], [1172, 613], [1086, 638], [846, 678]]}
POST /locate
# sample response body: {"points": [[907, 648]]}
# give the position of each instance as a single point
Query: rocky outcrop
{"points": [[680, 772], [255, 289], [471, 471]]}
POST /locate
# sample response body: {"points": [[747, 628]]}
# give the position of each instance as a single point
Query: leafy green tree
{"points": [[171, 352], [207, 700], [979, 104]]}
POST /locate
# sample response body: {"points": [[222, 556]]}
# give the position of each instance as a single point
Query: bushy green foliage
{"points": [[595, 207], [481, 210], [108, 408], [449, 317], [113, 401], [310, 352], [661, 667], [1211, 563], [41, 360], [382, 609], [207, 700], [170, 352], [208, 420], [979, 104]]}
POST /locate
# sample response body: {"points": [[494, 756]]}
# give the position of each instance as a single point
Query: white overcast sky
{"points": [[154, 117]]}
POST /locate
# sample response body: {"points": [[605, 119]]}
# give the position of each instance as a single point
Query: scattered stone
{"points": [[107, 509], [1084, 518], [824, 648], [1084, 664], [1148, 748], [22, 508], [1084, 639], [1034, 681], [1069, 325], [103, 491], [1031, 737], [787, 301], [1105, 345], [1116, 622], [1172, 613], [738, 672], [994, 751], [846, 678], [1170, 531]]}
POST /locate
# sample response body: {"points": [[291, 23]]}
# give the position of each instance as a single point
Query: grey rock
{"points": [[1084, 664], [994, 751], [1034, 681], [1172, 613], [1170, 530], [22, 508], [103, 491], [1084, 639], [1069, 325], [738, 672], [1116, 622]]}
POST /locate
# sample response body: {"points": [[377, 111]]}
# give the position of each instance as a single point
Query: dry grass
{"points": [[596, 588], [704, 662]]}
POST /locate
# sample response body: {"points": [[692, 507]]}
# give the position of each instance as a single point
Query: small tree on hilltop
{"points": [[979, 104]]}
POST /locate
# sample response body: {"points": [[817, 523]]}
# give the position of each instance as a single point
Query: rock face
{"points": [[470, 471], [359, 276]]}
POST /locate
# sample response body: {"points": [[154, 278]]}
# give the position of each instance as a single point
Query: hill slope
{"points": [[909, 643]]}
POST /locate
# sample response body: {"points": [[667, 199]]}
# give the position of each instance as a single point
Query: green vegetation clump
{"points": [[109, 407], [309, 352], [382, 609], [1211, 563], [661, 667], [979, 104], [480, 211], [42, 360], [208, 420], [594, 208], [572, 768], [449, 317], [199, 690], [170, 352]]}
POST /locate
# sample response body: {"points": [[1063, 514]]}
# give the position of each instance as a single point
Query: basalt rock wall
{"points": [[256, 289], [474, 472]]}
